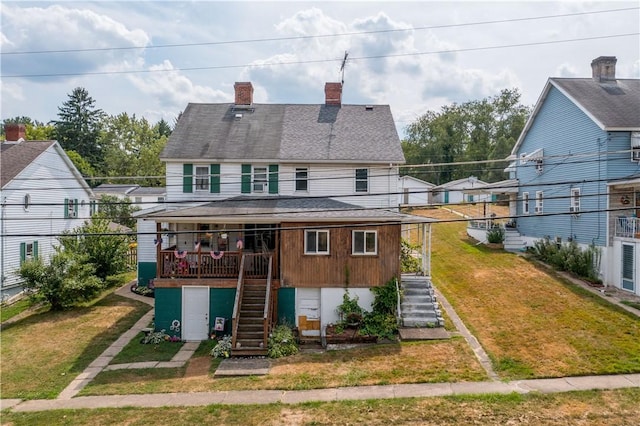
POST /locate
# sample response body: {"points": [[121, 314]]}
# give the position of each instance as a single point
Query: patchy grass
{"points": [[411, 362], [10, 311], [532, 322], [47, 350], [635, 305], [593, 408], [135, 351]]}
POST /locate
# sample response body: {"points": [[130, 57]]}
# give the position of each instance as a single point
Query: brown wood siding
{"points": [[300, 270]]}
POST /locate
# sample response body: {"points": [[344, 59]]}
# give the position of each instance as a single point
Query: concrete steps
{"points": [[512, 240], [419, 306]]}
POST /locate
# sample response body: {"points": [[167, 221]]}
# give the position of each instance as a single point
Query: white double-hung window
{"points": [[316, 241], [364, 242]]}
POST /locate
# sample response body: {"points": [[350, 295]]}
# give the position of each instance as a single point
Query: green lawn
{"points": [[47, 350], [532, 322], [619, 407], [10, 311], [135, 351]]}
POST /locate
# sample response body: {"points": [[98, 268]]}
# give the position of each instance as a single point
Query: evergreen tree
{"points": [[78, 127]]}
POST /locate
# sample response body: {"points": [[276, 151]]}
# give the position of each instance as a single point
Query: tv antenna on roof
{"points": [[344, 62]]}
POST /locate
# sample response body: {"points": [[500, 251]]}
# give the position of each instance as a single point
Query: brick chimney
{"points": [[603, 69], [333, 93], [244, 93], [14, 132]]}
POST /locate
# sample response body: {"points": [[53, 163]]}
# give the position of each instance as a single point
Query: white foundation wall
{"points": [[330, 298]]}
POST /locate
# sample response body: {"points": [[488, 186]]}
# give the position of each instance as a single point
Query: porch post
{"points": [[158, 249], [424, 249]]}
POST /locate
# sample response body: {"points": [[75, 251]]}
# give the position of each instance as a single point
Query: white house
{"points": [[460, 191], [414, 192], [140, 196], [43, 195]]}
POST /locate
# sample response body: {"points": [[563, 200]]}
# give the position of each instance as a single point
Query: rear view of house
{"points": [[43, 195], [272, 211]]}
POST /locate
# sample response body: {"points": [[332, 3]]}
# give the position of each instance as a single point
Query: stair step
{"points": [[249, 343], [249, 335], [249, 352]]}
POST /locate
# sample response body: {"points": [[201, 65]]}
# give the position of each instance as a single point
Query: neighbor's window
{"points": [[302, 176], [202, 178], [365, 242], [539, 196], [525, 203], [362, 180], [574, 207], [316, 242]]}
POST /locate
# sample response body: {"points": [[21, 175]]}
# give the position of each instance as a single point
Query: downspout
{"points": [[4, 241]]}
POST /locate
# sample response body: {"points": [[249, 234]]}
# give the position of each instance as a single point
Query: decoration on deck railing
{"points": [[196, 246], [239, 244], [216, 254], [180, 254], [625, 199], [157, 241]]}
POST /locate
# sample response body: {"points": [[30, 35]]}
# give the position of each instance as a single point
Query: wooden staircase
{"points": [[250, 333]]}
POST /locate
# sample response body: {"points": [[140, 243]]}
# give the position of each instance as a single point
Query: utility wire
{"points": [[317, 61], [310, 37]]}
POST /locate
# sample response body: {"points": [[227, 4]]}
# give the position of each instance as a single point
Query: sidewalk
{"points": [[424, 390]]}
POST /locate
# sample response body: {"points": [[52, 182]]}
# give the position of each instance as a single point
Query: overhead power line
{"points": [[316, 61], [308, 37]]}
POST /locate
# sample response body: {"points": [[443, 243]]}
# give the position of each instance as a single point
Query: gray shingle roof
{"points": [[614, 104], [286, 132], [282, 208], [15, 157]]}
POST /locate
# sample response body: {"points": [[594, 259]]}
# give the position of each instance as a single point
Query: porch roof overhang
{"points": [[278, 209]]}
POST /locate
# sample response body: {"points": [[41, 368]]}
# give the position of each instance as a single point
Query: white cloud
{"points": [[28, 29]]}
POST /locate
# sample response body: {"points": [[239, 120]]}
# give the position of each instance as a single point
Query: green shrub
{"points": [[569, 257], [116, 280], [223, 348], [495, 235], [349, 310], [281, 342], [409, 263], [67, 280], [155, 338]]}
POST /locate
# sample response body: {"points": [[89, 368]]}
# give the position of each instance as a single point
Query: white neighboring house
{"points": [[460, 191], [414, 192], [143, 197], [43, 195]]}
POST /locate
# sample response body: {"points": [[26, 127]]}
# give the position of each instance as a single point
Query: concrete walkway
{"points": [[102, 362], [423, 390]]}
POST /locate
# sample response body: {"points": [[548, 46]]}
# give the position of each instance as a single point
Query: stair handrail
{"points": [[266, 320], [236, 305], [398, 296]]}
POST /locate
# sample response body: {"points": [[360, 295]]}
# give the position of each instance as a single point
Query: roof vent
{"points": [[238, 115], [369, 107]]}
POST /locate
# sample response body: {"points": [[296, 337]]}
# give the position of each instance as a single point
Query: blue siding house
{"points": [[577, 164]]}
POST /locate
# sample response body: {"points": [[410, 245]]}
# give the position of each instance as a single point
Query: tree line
{"points": [[102, 145]]}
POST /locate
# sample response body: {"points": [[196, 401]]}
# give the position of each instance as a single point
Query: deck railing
{"points": [[193, 264], [627, 227], [268, 305], [235, 318]]}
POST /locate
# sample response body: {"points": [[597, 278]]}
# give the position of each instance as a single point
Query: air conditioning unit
{"points": [[574, 209], [259, 186], [538, 210], [635, 154]]}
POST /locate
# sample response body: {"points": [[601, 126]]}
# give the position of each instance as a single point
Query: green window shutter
{"points": [[66, 210], [75, 208], [246, 179], [23, 252], [214, 171], [273, 178], [35, 249], [187, 178]]}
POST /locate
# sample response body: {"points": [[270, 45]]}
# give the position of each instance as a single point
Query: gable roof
{"points": [[473, 182], [115, 188], [613, 106], [15, 157], [416, 180], [285, 133]]}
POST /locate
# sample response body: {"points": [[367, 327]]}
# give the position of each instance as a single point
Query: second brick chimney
{"points": [[14, 132], [333, 93], [603, 69], [244, 92]]}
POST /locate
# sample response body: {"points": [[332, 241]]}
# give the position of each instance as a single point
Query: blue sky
{"points": [[428, 60]]}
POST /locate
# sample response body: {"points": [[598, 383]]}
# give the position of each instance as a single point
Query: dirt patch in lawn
{"points": [[198, 367]]}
